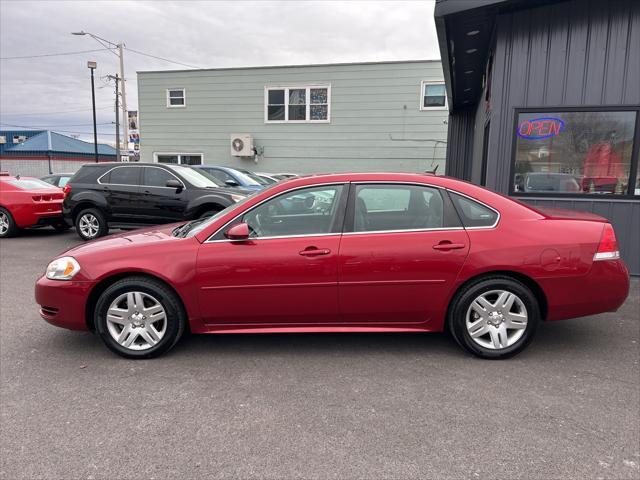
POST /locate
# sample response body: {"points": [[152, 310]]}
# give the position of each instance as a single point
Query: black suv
{"points": [[121, 195]]}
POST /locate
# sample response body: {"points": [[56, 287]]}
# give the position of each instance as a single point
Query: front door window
{"points": [[309, 211]]}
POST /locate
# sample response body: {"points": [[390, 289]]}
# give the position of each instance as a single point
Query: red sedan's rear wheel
{"points": [[8, 226], [495, 317], [139, 317]]}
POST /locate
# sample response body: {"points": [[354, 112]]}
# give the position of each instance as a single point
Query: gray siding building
{"points": [[545, 104], [302, 119]]}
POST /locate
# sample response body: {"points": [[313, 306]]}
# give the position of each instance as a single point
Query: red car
{"points": [[366, 252], [29, 202]]}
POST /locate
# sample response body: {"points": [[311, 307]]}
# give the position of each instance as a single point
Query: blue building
{"points": [[40, 152]]}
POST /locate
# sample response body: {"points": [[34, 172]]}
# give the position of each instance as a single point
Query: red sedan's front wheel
{"points": [[139, 317], [495, 317], [8, 226]]}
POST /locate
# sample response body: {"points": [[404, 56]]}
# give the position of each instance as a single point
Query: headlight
{"points": [[63, 268], [237, 198]]}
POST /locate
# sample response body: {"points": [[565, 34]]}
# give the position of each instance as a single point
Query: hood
{"points": [[140, 237]]}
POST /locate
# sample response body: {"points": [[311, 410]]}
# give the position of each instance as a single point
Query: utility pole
{"points": [[92, 66], [117, 119], [125, 117], [109, 45]]}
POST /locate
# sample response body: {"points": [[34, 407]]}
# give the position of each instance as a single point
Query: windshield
{"points": [[198, 178], [29, 184], [245, 179], [255, 177], [196, 226]]}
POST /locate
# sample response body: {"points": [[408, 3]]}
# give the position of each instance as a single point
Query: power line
{"points": [[56, 125], [54, 113], [161, 58], [58, 130], [51, 54]]}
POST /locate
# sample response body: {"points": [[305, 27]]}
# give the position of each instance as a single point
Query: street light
{"points": [[119, 46], [92, 66]]}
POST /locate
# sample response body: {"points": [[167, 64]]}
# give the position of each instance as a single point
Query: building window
{"points": [[179, 158], [433, 96], [575, 152], [297, 104], [176, 98]]}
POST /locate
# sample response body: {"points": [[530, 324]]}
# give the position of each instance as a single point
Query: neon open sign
{"points": [[539, 128]]}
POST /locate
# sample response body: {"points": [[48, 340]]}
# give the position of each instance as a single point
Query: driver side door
{"points": [[286, 272]]}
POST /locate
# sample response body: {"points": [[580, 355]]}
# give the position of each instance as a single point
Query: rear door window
{"points": [[397, 207], [124, 176]]}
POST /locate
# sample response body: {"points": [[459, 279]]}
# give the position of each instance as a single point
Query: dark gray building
{"points": [[544, 101]]}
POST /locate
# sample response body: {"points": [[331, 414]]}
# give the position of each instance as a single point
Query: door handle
{"points": [[147, 192], [446, 245], [314, 252]]}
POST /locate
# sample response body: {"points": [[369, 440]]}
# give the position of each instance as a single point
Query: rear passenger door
{"points": [[401, 251], [159, 203], [121, 188]]}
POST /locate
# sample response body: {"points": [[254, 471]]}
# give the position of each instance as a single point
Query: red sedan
{"points": [[366, 252], [29, 202]]}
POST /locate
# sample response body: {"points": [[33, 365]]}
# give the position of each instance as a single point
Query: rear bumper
{"points": [[603, 289], [63, 303], [29, 217]]}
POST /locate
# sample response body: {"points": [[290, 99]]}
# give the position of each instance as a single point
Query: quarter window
{"points": [[297, 104], [433, 96], [575, 152], [309, 211], [399, 207], [124, 176], [176, 98], [472, 213]]}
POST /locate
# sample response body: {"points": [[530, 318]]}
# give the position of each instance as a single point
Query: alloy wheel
{"points": [[496, 319], [136, 320], [89, 225], [4, 223]]}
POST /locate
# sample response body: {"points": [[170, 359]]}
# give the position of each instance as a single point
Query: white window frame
{"points": [[184, 98], [286, 89], [423, 83], [179, 155]]}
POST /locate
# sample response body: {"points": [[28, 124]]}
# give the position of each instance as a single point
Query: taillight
{"points": [[608, 247], [66, 190]]}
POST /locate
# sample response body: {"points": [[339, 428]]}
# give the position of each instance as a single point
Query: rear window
{"points": [[472, 213], [29, 184]]}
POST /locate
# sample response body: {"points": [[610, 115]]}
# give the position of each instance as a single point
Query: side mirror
{"points": [[239, 231], [231, 183], [173, 183]]}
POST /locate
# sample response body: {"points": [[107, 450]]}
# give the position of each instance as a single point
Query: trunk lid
{"points": [[562, 214]]}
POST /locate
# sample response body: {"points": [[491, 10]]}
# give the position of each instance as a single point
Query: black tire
{"points": [[11, 228], [175, 317], [461, 304], [61, 226], [101, 222]]}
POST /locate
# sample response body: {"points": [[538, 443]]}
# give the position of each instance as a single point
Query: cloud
{"points": [[54, 92]]}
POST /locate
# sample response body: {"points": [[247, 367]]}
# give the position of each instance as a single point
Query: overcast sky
{"points": [[54, 92]]}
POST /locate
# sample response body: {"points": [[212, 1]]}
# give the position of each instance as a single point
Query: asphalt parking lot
{"points": [[311, 406]]}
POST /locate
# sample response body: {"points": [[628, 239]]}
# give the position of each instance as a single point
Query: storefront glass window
{"points": [[578, 152]]}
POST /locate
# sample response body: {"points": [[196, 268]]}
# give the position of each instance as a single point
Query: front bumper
{"points": [[63, 303]]}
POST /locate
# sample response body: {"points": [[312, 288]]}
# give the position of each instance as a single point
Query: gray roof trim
{"points": [[265, 67]]}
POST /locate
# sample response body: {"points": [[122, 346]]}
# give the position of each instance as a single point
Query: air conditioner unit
{"points": [[19, 138], [3, 139], [241, 145]]}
